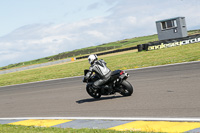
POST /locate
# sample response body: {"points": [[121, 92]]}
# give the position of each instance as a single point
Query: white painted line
{"points": [[109, 118], [82, 75]]}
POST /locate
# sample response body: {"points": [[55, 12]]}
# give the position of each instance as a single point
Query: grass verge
{"points": [[186, 53], [31, 129]]}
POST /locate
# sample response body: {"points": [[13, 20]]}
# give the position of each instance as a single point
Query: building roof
{"points": [[168, 19]]}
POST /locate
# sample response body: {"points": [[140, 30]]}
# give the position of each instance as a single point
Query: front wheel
{"points": [[92, 92], [126, 88]]}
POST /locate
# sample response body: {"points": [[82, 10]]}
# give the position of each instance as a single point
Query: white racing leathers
{"points": [[100, 68]]}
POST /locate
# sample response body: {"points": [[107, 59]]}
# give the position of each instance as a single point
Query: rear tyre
{"points": [[92, 92], [126, 88]]}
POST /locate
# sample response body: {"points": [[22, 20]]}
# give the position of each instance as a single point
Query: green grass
{"points": [[186, 53], [31, 129], [193, 32]]}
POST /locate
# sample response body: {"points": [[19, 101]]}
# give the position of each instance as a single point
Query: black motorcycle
{"points": [[116, 83]]}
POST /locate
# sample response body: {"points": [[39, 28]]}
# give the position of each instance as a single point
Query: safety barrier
{"points": [[169, 43], [109, 52], [65, 60]]}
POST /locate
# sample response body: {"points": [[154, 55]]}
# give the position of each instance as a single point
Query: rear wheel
{"points": [[126, 88], [92, 92]]}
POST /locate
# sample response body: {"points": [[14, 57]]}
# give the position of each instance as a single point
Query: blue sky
{"points": [[15, 14], [32, 29]]}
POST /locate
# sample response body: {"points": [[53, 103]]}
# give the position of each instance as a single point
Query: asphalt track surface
{"points": [[166, 91]]}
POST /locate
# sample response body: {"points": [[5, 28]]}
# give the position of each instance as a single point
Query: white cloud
{"points": [[127, 19]]}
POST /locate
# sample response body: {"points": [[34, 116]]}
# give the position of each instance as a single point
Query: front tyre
{"points": [[92, 92], [126, 88]]}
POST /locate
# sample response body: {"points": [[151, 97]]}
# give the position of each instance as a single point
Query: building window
{"points": [[168, 24], [174, 23], [163, 25]]}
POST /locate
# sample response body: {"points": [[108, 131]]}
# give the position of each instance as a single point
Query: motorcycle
{"points": [[116, 83]]}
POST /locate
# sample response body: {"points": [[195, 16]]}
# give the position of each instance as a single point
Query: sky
{"points": [[32, 29]]}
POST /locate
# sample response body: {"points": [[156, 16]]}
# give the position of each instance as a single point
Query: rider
{"points": [[100, 68]]}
